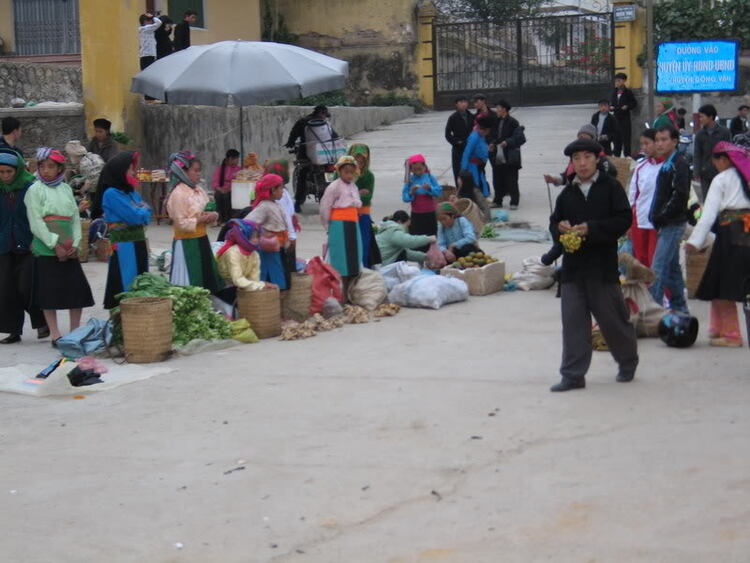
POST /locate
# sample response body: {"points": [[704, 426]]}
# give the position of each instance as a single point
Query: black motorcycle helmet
{"points": [[678, 330]]}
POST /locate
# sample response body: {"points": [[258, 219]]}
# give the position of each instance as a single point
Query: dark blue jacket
{"points": [[15, 233]]}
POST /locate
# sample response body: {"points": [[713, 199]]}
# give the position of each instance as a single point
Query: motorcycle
{"points": [[317, 178]]}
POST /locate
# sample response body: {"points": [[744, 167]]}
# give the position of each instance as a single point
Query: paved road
{"points": [[427, 437]]}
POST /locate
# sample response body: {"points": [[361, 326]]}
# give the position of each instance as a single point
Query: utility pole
{"points": [[650, 58]]}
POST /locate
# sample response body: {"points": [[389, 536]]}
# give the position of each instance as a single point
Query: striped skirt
{"points": [[128, 260], [345, 247], [193, 263]]}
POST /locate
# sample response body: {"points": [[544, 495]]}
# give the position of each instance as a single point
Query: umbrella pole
{"points": [[242, 138]]}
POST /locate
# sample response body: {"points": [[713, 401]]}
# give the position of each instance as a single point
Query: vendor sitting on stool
{"points": [[456, 236]]}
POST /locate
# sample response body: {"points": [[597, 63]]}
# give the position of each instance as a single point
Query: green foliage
{"points": [[492, 10], [121, 137], [274, 26], [393, 99], [676, 20]]}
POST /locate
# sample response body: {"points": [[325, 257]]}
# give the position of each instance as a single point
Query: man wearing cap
{"points": [[457, 130], [594, 206], [103, 144], [297, 139]]}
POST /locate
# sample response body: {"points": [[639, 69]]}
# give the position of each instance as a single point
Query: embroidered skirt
{"points": [[129, 259], [345, 242], [193, 263]]}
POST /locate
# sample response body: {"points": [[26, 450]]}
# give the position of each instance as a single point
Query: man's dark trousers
{"points": [[505, 183], [457, 151], [582, 298], [622, 141]]}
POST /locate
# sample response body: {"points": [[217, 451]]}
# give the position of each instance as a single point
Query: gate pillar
{"points": [[630, 41], [425, 52]]}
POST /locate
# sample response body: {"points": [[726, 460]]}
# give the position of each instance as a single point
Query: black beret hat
{"points": [[585, 145]]}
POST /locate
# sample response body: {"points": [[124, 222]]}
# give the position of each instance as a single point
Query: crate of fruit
{"points": [[482, 273]]}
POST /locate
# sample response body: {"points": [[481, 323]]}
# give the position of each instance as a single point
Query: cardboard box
{"points": [[481, 281]]}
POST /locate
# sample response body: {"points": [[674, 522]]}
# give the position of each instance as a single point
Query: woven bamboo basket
{"points": [[471, 211], [83, 246], [262, 309], [623, 170], [448, 192], [295, 303], [146, 329], [695, 265]]}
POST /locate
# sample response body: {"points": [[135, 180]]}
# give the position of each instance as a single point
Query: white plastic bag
{"points": [[534, 275], [368, 289], [398, 272], [431, 292]]}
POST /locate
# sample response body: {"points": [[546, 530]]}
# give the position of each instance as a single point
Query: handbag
{"points": [[86, 339]]}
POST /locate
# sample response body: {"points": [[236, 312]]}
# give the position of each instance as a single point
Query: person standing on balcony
{"points": [[621, 103]]}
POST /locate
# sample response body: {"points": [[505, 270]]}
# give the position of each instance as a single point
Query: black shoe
{"points": [[623, 377], [54, 342], [11, 339], [568, 385], [42, 332], [298, 208]]}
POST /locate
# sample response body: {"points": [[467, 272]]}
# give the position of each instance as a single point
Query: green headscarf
{"points": [[364, 150], [23, 177]]}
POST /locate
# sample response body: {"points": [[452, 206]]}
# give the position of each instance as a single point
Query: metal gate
{"points": [[534, 61], [46, 27]]}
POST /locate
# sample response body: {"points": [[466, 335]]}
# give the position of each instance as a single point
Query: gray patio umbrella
{"points": [[240, 73]]}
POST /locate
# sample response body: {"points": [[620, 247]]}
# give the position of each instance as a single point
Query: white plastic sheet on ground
{"points": [[22, 378]]}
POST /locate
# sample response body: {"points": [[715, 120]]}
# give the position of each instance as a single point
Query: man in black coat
{"points": [[606, 126], [669, 217], [738, 125], [457, 130], [182, 30], [505, 144], [594, 206], [621, 103]]}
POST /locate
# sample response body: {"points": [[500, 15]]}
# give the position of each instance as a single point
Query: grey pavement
{"points": [[430, 436]]}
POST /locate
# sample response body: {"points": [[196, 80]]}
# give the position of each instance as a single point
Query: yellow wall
{"points": [[7, 32], [109, 59], [227, 20], [631, 36]]}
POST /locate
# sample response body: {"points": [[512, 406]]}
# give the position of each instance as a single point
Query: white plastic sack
{"points": [[368, 289], [534, 275], [322, 147], [398, 272], [431, 292], [645, 313]]}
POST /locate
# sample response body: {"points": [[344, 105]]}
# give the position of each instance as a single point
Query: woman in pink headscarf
{"points": [[421, 189], [726, 211]]}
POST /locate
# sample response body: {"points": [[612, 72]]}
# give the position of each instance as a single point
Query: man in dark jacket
{"points": [[621, 103], [705, 141], [164, 45], [505, 144], [594, 206], [457, 130], [669, 217], [103, 144], [606, 126], [182, 31], [738, 125], [11, 132], [297, 139]]}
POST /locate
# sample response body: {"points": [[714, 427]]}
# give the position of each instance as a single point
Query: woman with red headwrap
{"points": [[275, 266], [127, 216], [58, 279], [727, 210], [421, 189]]}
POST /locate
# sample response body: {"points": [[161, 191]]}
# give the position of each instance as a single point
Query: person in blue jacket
{"points": [[421, 190], [476, 154], [127, 216], [456, 236]]}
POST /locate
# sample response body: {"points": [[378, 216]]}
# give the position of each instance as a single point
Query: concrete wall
{"points": [[210, 131], [377, 37], [39, 82], [48, 126]]}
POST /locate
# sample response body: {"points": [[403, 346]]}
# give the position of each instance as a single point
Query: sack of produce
{"points": [[326, 282], [435, 258], [368, 289], [398, 272], [431, 292]]}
